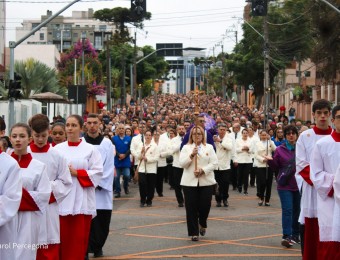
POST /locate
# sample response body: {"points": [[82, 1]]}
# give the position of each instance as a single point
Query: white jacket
{"points": [[224, 152], [260, 150], [243, 156], [206, 160], [152, 156]]}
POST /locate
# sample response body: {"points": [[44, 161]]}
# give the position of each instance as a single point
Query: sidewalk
{"points": [[242, 231]]}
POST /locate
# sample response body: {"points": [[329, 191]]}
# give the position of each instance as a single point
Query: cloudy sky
{"points": [[195, 23]]}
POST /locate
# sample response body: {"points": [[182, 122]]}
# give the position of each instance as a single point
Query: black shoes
{"points": [[194, 238], [225, 203], [117, 195], [245, 193], [149, 204], [98, 253], [202, 231], [160, 195], [260, 203], [218, 204], [142, 204], [181, 204], [267, 204], [126, 191]]}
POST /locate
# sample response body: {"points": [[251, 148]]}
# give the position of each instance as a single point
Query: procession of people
{"points": [[58, 180]]}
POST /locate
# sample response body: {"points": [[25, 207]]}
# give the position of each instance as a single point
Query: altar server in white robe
{"points": [[61, 183], [79, 207], [323, 166], [309, 227], [10, 197], [36, 193], [101, 223]]}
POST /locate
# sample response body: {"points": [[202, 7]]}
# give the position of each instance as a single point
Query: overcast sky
{"points": [[195, 23]]}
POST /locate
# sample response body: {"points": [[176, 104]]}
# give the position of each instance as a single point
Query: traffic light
{"points": [[14, 89], [138, 8], [259, 7]]}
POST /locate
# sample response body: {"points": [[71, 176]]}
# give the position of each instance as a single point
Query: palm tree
{"points": [[37, 77]]}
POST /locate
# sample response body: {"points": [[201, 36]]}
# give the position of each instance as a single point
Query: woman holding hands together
{"points": [[199, 161]]}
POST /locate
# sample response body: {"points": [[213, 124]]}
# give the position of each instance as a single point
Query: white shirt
{"points": [[304, 148], [152, 156], [175, 146], [81, 200], [61, 184], [324, 164], [10, 197]]}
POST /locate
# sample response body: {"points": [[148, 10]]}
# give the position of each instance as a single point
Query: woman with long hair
{"points": [[199, 161], [244, 160], [148, 155], [77, 209], [36, 193], [284, 162], [264, 175]]}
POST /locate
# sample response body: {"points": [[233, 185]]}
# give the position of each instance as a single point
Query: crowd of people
{"points": [[68, 171]]}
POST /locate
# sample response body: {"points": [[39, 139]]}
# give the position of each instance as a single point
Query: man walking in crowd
{"points": [[304, 146], [122, 160], [101, 223], [323, 166], [224, 150], [175, 145]]}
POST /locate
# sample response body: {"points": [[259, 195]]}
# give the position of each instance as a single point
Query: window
{"points": [[102, 27], [75, 35], [41, 36], [307, 73], [98, 42]]}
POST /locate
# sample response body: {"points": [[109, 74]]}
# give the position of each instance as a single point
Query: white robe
{"points": [[81, 200], [105, 195], [324, 163], [61, 183], [10, 197], [304, 148], [35, 180]]}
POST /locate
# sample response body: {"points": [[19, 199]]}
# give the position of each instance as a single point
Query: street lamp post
{"points": [[83, 38]]}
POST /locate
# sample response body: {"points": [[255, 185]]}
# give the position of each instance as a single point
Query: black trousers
{"points": [[99, 230], [161, 171], [222, 179], [252, 176], [233, 175], [170, 175], [197, 206], [147, 183], [243, 170], [264, 183], [177, 177]]}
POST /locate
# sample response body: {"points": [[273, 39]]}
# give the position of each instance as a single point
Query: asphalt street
{"points": [[244, 230]]}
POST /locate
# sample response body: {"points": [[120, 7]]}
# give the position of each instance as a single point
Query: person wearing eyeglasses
{"points": [[321, 111], [284, 162], [199, 161], [324, 164]]}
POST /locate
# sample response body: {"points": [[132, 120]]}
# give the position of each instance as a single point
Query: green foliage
{"points": [[120, 16], [37, 77]]}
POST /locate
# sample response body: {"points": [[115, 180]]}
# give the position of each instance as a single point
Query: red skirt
{"points": [[50, 252], [74, 236], [312, 239]]}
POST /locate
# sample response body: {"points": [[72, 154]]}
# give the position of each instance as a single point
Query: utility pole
{"points": [[133, 88], [266, 83], [224, 91], [108, 74]]}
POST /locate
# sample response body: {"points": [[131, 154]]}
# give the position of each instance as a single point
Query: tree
{"points": [[289, 37], [37, 77], [92, 69]]}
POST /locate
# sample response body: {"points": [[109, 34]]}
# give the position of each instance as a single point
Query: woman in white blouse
{"points": [[148, 155], [198, 181], [244, 160], [264, 175]]}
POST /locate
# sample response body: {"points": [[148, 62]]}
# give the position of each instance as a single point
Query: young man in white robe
{"points": [[101, 223], [309, 228], [10, 197], [61, 183], [323, 166]]}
